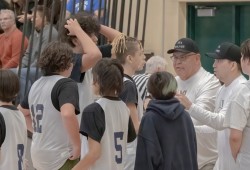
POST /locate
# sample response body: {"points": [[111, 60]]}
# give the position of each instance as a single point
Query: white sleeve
{"points": [[238, 111], [211, 119], [203, 129], [206, 94]]}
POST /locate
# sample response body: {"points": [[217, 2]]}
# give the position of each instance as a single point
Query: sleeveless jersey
{"points": [[131, 147], [50, 146], [114, 139], [14, 147]]}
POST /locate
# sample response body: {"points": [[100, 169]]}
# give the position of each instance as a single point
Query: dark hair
{"points": [[4, 5], [122, 46], [162, 85], [56, 57], [56, 9], [87, 22], [43, 11], [245, 49], [9, 85], [108, 73]]}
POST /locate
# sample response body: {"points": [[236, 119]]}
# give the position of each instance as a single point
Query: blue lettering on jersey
{"points": [[118, 148], [20, 152], [37, 115]]}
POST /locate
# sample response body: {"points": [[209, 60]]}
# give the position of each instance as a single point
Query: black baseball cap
{"points": [[228, 51], [185, 45]]}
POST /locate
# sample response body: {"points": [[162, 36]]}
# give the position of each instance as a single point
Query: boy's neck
{"points": [[5, 103], [128, 71]]}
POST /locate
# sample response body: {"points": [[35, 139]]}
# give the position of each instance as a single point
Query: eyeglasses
{"points": [[181, 58]]}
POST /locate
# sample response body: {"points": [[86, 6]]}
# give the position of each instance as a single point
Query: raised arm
{"points": [[109, 32], [91, 53]]}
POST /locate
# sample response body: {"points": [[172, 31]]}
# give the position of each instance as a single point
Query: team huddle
{"points": [[90, 110]]}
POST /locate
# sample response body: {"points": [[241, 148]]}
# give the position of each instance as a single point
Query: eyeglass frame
{"points": [[181, 58]]}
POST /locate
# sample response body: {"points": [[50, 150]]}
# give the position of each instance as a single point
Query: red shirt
{"points": [[10, 48]]}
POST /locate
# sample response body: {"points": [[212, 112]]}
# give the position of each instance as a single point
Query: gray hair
{"points": [[9, 12], [156, 63]]}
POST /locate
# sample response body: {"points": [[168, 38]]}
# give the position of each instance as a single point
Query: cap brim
{"points": [[212, 55], [178, 50]]}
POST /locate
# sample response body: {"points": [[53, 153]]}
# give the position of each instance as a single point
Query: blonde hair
{"points": [[123, 46]]}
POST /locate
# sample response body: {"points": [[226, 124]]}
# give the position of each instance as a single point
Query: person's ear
{"points": [[129, 58]]}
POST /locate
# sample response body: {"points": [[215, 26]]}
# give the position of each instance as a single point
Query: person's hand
{"points": [[75, 153], [72, 26], [21, 17], [183, 100], [145, 103]]}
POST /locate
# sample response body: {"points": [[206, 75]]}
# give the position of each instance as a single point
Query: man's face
{"points": [[185, 64], [6, 22], [222, 69], [39, 21]]}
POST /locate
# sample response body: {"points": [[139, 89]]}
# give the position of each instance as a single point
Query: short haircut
{"points": [[56, 57], [43, 11], [122, 46], [162, 85], [87, 22], [154, 63], [10, 13], [108, 73], [245, 49], [9, 85]]}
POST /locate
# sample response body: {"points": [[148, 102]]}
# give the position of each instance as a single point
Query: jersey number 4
{"points": [[37, 115], [118, 136]]}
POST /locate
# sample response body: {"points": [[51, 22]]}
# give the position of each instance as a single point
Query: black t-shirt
{"points": [[129, 93], [2, 129], [76, 73], [64, 91], [93, 123]]}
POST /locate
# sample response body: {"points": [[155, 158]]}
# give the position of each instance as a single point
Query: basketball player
{"points": [[51, 108], [14, 145], [106, 122]]}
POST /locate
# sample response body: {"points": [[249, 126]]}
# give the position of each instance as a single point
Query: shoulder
{"points": [[94, 108]]}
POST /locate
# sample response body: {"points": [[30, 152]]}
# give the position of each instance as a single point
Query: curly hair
{"points": [[88, 23], [9, 85], [122, 46], [56, 57], [162, 85], [108, 73]]}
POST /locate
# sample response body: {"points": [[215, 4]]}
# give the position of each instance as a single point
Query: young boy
{"points": [[237, 118], [106, 122], [166, 139], [51, 108], [129, 53], [14, 145]]}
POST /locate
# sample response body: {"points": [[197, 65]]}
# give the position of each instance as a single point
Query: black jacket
{"points": [[166, 138]]}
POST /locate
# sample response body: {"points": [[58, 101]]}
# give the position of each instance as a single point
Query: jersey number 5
{"points": [[118, 148], [37, 114]]}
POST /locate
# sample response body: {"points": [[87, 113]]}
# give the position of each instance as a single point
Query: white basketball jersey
{"points": [[50, 146], [13, 149], [131, 147], [114, 139]]}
